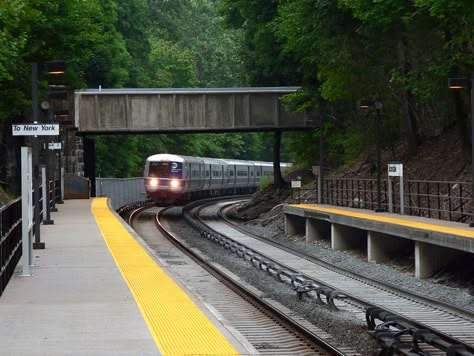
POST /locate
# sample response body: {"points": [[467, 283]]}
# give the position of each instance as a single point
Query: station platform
{"points": [[434, 243], [95, 290]]}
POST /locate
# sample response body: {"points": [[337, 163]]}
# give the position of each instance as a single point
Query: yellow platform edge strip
{"points": [[175, 322], [419, 225]]}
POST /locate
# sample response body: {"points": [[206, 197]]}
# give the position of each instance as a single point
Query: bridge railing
{"points": [[441, 200]]}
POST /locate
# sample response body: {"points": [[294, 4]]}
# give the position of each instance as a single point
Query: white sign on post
{"points": [[316, 170], [295, 184], [395, 170], [54, 145], [35, 129]]}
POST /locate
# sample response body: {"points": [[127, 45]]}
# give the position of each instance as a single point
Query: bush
{"points": [[265, 182]]}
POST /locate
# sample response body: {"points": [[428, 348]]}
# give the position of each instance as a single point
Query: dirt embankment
{"points": [[440, 159]]}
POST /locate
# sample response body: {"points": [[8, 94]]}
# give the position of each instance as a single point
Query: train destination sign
{"points": [[35, 129]]}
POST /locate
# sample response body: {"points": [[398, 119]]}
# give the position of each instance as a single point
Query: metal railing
{"points": [[440, 200], [121, 191], [431, 199], [10, 240], [11, 234]]}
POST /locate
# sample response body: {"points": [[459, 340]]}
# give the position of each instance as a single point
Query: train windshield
{"points": [[165, 169]]}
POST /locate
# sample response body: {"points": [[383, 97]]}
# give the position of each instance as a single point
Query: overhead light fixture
{"points": [[458, 83], [365, 104], [61, 113], [55, 67]]}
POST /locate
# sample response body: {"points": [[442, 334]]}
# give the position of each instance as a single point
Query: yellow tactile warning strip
{"points": [[415, 224], [175, 322]]}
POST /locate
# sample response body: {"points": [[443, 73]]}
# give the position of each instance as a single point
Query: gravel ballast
{"points": [[345, 330]]}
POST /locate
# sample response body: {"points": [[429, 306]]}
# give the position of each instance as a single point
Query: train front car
{"points": [[164, 178]]}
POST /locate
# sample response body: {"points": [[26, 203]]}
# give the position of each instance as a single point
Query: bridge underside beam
{"points": [[190, 110]]}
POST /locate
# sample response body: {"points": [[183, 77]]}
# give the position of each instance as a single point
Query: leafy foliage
{"points": [[397, 52]]}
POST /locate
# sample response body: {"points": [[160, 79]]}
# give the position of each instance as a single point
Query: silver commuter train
{"points": [[173, 178]]}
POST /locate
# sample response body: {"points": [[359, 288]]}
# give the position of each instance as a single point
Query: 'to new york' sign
{"points": [[35, 129]]}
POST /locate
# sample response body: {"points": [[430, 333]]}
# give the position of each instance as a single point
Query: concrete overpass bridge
{"points": [[184, 110], [140, 111]]}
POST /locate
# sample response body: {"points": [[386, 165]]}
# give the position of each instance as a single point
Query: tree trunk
{"points": [[277, 177]]}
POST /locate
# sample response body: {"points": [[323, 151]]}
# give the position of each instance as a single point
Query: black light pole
{"points": [[61, 116], [37, 244], [51, 68], [461, 83], [47, 220], [365, 104], [321, 160], [313, 119]]}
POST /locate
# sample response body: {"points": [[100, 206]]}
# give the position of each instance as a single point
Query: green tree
{"points": [[135, 26], [265, 62], [172, 67]]}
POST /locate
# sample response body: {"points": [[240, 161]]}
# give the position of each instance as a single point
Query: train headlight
{"points": [[174, 183], [154, 182]]}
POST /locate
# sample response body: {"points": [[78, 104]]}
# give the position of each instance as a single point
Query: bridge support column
{"points": [[431, 258], [89, 162]]}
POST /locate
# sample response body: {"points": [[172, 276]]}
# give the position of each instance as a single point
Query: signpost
{"points": [[395, 169], [317, 172], [296, 184], [36, 130]]}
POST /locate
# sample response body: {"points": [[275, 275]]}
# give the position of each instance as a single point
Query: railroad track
{"points": [[429, 325], [268, 327]]}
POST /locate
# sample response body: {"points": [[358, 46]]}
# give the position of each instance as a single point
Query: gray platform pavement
{"points": [[76, 302]]}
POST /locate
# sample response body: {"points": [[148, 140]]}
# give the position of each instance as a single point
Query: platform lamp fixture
{"points": [[52, 68], [61, 114], [467, 83], [367, 104]]}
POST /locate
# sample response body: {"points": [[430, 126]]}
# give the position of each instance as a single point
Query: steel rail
{"points": [[245, 293], [363, 279], [349, 273]]}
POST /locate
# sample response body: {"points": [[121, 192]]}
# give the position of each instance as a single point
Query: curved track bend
{"points": [[268, 327], [452, 327]]}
